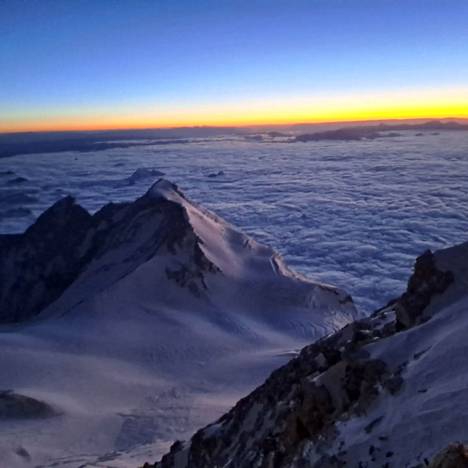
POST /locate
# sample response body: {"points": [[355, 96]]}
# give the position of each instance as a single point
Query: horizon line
{"points": [[234, 126]]}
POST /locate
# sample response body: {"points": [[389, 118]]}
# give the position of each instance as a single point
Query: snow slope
{"points": [[167, 317], [386, 391]]}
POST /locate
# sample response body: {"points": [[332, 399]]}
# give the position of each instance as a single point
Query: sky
{"points": [[161, 63]]}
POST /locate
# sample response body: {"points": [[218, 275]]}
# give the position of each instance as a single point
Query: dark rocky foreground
{"points": [[453, 456], [332, 381], [40, 264]]}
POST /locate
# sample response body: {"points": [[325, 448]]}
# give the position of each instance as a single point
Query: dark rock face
{"points": [[453, 456], [425, 282], [37, 266], [331, 381], [15, 406]]}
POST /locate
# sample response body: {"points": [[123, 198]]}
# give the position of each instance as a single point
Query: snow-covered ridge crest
{"points": [[167, 190], [218, 238], [209, 228], [245, 262]]}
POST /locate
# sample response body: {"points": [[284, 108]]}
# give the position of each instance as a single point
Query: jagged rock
{"points": [[38, 265], [425, 282], [453, 456]]}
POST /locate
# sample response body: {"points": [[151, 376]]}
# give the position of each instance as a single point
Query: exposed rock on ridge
{"points": [[426, 281], [298, 417], [453, 456]]}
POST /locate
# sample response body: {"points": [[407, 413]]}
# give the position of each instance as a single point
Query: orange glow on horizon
{"points": [[392, 106]]}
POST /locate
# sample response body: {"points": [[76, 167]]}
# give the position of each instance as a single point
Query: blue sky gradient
{"points": [[59, 56]]}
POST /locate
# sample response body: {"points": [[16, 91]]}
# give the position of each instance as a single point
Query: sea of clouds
{"points": [[354, 214]]}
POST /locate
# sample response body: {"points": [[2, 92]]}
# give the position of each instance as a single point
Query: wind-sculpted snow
{"points": [[141, 322], [384, 391], [354, 214]]}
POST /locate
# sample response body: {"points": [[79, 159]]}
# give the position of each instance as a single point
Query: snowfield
{"points": [[174, 316]]}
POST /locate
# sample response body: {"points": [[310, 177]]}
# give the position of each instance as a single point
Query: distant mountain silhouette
{"points": [[13, 144], [371, 132]]}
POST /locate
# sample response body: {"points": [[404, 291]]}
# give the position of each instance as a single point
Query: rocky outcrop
{"points": [[426, 281], [453, 456], [302, 406], [38, 265]]}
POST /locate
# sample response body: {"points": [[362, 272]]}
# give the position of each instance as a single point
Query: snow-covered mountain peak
{"points": [[165, 189], [73, 255]]}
